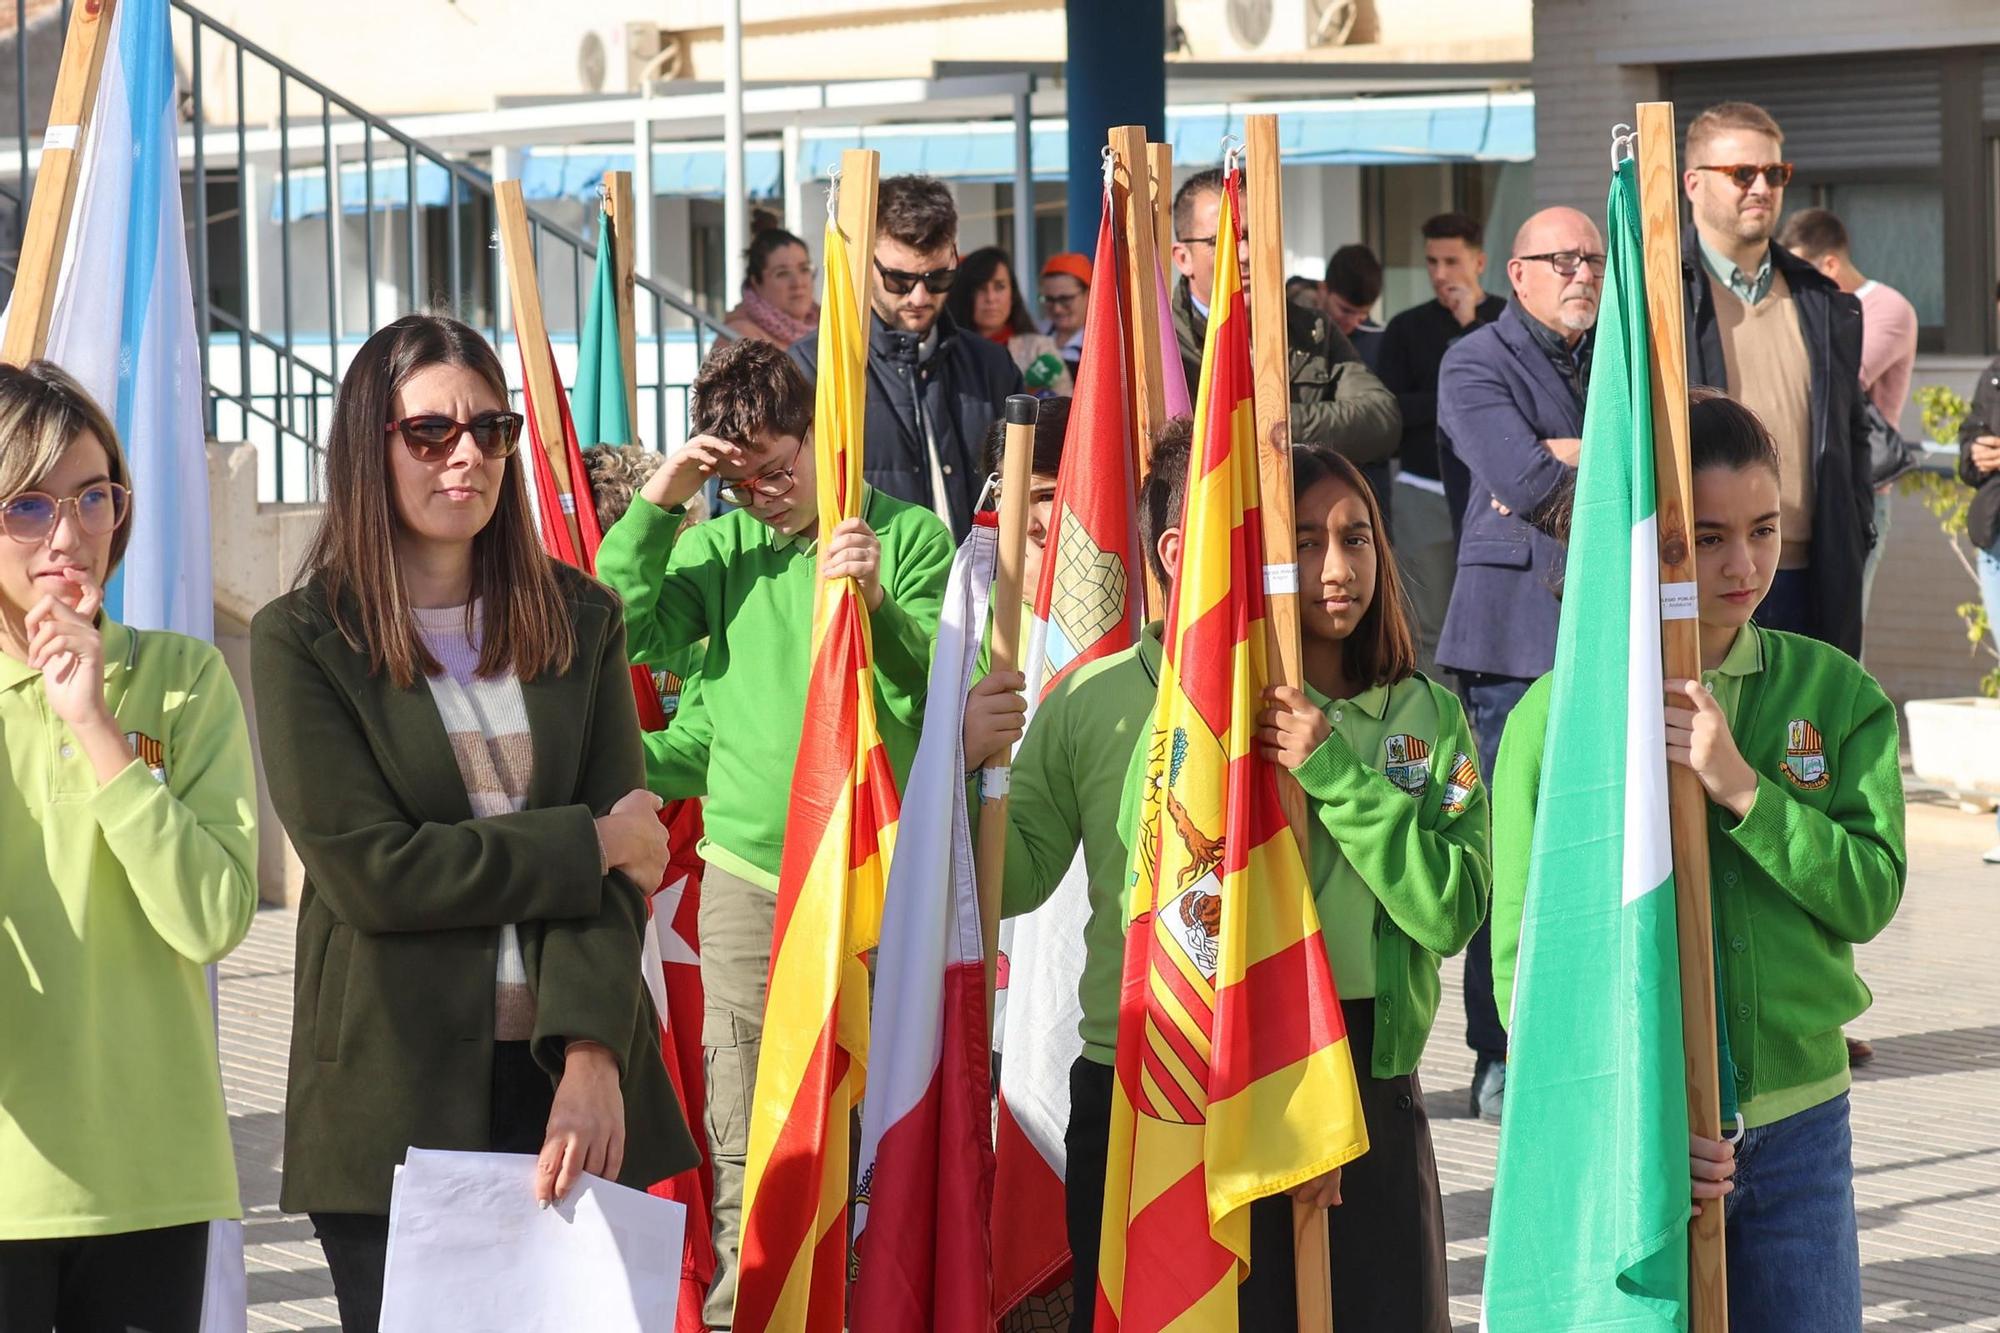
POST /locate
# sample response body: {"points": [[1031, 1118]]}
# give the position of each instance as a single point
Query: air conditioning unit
{"points": [[625, 57], [1286, 27]]}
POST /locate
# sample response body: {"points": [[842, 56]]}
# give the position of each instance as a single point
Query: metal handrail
{"points": [[280, 393]]}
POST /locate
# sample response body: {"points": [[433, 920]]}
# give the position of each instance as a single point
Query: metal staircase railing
{"points": [[312, 222]]}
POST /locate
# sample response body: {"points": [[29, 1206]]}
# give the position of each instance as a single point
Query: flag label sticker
{"points": [[1407, 763], [150, 752], [1805, 755], [1458, 785]]}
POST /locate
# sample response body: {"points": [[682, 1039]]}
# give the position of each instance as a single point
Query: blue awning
{"points": [[304, 191], [693, 170]]}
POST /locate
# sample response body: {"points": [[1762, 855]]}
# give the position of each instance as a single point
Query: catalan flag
{"points": [[1234, 1080], [838, 842]]}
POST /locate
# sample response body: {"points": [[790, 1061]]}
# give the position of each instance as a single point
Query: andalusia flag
{"points": [[1590, 1205], [838, 842], [1233, 1077]]}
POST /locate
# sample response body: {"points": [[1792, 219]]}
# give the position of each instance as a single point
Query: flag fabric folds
{"points": [[925, 1182], [1234, 1078], [670, 958], [1086, 608], [1590, 1209], [602, 377], [839, 841]]}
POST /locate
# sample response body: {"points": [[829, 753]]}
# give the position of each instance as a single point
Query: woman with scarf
{"points": [[778, 304]]}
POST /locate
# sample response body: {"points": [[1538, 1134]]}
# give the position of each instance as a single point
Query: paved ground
{"points": [[1927, 1113]]}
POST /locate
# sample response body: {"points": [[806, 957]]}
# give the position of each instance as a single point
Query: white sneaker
{"points": [[1992, 856]]}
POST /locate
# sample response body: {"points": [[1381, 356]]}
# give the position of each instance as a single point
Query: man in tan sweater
{"points": [[1780, 337]]}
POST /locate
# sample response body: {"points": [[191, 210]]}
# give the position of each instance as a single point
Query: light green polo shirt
{"points": [[112, 899]]}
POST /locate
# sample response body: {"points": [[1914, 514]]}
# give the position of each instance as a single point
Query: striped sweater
{"points": [[487, 721]]}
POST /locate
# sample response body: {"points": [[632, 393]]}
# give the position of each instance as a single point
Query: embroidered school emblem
{"points": [[1408, 763], [151, 753], [1458, 785], [1805, 755]]}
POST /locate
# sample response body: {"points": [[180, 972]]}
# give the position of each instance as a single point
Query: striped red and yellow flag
{"points": [[1234, 1080], [838, 840]]}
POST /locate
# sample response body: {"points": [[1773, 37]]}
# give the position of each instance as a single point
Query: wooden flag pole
{"points": [[1270, 358], [1132, 210], [624, 232], [1160, 164], [1680, 636], [46, 237], [532, 333], [1016, 476]]}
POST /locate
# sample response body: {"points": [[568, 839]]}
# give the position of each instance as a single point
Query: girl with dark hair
{"points": [[128, 860], [987, 300], [778, 304], [1398, 859], [450, 739], [1796, 748]]}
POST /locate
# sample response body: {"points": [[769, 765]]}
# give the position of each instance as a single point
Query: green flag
{"points": [[1590, 1203], [599, 403]]}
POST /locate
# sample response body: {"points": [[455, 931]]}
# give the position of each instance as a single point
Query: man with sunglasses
{"points": [[1783, 339], [1336, 400], [933, 388]]}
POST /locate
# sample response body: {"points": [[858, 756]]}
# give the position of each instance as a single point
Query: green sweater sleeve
{"points": [[1430, 874], [1844, 865], [378, 871], [905, 626], [1517, 781], [189, 845], [1043, 828], [677, 757], [666, 598]]}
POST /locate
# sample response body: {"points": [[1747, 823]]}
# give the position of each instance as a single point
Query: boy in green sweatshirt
{"points": [[1796, 748], [743, 585]]}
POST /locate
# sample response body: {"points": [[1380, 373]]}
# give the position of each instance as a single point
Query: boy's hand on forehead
{"points": [[688, 469], [853, 552]]}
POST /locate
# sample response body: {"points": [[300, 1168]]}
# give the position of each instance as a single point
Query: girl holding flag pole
{"points": [[1398, 862]]}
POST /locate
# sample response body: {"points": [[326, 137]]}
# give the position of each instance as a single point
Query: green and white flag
{"points": [[1591, 1199]]}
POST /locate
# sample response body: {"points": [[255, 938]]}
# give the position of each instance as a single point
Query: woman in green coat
{"points": [[448, 728]]}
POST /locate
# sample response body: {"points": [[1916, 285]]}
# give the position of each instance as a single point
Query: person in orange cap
{"points": [[1065, 300]]}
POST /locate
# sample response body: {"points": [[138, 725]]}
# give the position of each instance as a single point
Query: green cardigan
{"points": [[1814, 869], [392, 1024]]}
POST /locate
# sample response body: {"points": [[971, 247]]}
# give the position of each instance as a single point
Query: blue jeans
{"points": [[1989, 588], [1788, 604], [1884, 500], [1794, 1249], [1488, 701]]}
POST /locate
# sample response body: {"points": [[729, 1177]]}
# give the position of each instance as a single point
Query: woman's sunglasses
{"points": [[31, 516], [431, 438], [900, 283]]}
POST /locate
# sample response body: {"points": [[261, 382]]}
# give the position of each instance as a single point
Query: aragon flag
{"points": [[1234, 1079], [1086, 608], [1590, 1205], [838, 843]]}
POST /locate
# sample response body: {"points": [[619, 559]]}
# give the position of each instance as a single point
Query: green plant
{"points": [[1948, 500]]}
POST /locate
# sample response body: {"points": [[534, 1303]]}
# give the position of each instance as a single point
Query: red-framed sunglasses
{"points": [[432, 436]]}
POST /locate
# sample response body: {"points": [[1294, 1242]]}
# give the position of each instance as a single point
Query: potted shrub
{"points": [[1955, 743]]}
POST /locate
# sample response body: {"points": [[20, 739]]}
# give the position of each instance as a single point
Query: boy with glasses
{"points": [[933, 387], [744, 583], [1785, 341]]}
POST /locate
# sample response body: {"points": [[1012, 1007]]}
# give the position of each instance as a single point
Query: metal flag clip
{"points": [[833, 194], [1232, 154], [1737, 1137], [1625, 141], [1110, 164]]}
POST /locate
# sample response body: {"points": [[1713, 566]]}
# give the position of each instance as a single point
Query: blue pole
{"points": [[1117, 75]]}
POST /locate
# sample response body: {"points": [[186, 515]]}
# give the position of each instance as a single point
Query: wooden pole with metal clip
{"points": [[538, 365], [619, 205], [1680, 643], [1134, 227]]}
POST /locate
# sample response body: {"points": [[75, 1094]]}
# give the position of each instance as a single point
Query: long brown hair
{"points": [[1381, 651], [527, 625]]}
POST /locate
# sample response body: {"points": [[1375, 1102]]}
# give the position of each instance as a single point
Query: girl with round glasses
{"points": [[128, 852]]}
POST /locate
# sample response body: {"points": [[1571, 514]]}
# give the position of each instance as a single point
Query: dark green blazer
{"points": [[405, 894]]}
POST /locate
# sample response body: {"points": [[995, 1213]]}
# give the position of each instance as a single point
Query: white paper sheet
{"points": [[471, 1250]]}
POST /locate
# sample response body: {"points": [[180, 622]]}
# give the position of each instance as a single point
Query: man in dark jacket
{"points": [[1510, 421], [933, 388], [1782, 338], [1336, 401], [1979, 466]]}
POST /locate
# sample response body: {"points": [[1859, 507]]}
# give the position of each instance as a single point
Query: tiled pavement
{"points": [[1926, 1114]]}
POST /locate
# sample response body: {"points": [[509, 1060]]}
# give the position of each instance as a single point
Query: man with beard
{"points": [[1510, 425], [1785, 341]]}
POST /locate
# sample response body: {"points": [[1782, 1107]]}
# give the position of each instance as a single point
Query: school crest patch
{"points": [[1805, 755], [151, 753], [1407, 763], [1458, 784]]}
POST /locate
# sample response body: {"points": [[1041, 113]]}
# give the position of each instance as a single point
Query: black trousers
{"points": [[132, 1282], [1386, 1237], [356, 1245]]}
